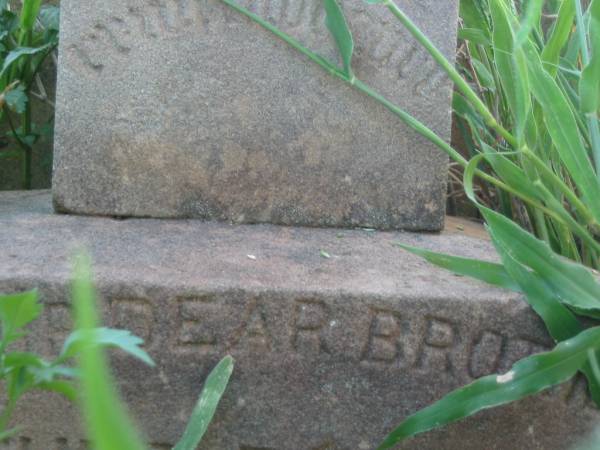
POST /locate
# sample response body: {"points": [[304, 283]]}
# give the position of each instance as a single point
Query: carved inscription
{"points": [[195, 332], [59, 325], [437, 344], [387, 46], [135, 315], [383, 343], [253, 334], [382, 338], [310, 323], [486, 354]]}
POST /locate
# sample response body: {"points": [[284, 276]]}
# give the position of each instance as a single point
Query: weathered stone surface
{"points": [[330, 353], [183, 108]]}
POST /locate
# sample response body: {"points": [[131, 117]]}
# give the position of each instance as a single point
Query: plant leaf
{"points": [[589, 86], [481, 270], [214, 387], [528, 376], [5, 434], [14, 360], [18, 310], [106, 337], [563, 129], [531, 19], [16, 99], [63, 387], [50, 17], [19, 52], [338, 27], [511, 66], [572, 283], [29, 12], [560, 36]]}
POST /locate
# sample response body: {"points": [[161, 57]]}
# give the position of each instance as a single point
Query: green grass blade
{"points": [[559, 37], [528, 376], [511, 67], [108, 425], [214, 387], [531, 21], [562, 127], [473, 16], [589, 86], [338, 27], [449, 68], [318, 59], [574, 284], [559, 321], [29, 12], [488, 272]]}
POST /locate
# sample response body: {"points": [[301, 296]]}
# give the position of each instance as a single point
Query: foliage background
{"points": [[10, 177]]}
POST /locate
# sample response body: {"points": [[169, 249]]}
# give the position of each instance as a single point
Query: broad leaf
{"points": [[50, 17], [19, 52], [15, 360], [16, 99], [527, 377], [16, 311], [63, 387], [214, 387], [106, 337]]}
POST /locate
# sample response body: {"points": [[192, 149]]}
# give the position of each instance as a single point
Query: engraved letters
{"points": [[195, 333], [388, 47], [311, 320], [383, 342]]}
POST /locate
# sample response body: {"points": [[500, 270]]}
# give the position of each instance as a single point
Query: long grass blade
{"points": [[336, 23], [214, 387], [108, 425], [528, 376]]}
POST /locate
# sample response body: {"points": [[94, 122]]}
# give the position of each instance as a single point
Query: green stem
{"points": [[454, 75], [7, 413], [27, 160], [27, 151], [333, 70]]}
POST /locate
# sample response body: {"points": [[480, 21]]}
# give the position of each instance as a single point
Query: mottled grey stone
{"points": [[184, 108], [330, 353]]}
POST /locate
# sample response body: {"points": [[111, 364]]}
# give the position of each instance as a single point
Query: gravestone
{"points": [[184, 108], [330, 353]]}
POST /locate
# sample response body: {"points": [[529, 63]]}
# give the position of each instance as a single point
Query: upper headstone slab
{"points": [[184, 108]]}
